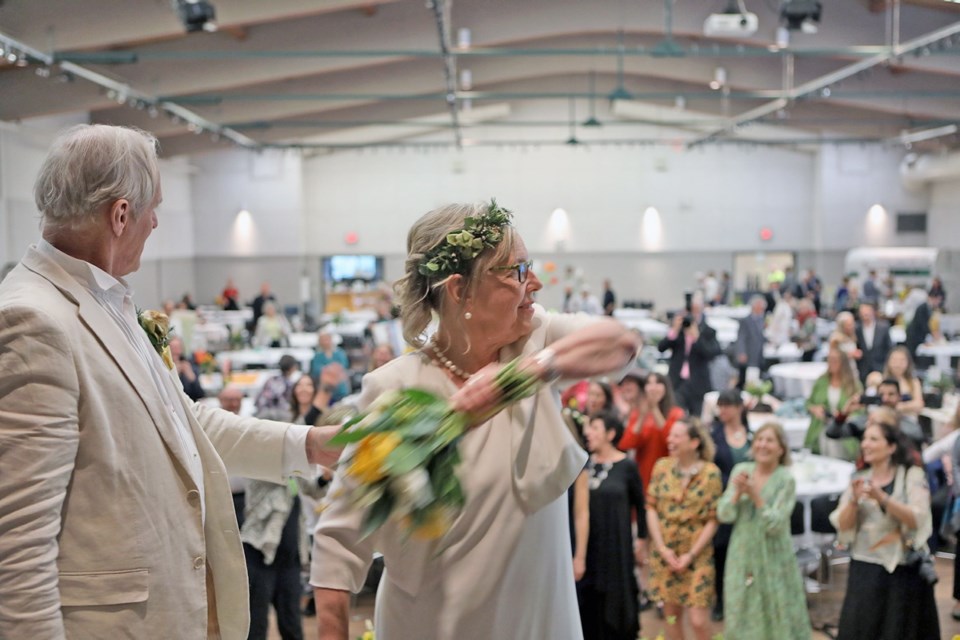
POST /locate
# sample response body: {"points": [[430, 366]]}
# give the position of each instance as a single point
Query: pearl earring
{"points": [[467, 315]]}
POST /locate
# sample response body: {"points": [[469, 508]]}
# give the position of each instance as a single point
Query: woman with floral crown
{"points": [[502, 568]]}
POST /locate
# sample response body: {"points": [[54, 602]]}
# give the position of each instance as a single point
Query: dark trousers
{"points": [[719, 563], [689, 398], [239, 504], [273, 585]]}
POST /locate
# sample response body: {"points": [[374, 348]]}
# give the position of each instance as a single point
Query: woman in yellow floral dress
{"points": [[681, 518]]}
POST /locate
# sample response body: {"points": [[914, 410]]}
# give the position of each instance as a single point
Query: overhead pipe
{"points": [[449, 66], [128, 93], [211, 99], [692, 51], [825, 81]]}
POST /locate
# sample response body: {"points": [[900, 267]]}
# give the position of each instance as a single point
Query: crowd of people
{"points": [[561, 503]]}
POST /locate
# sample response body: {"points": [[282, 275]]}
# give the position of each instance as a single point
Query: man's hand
{"points": [[317, 451]]}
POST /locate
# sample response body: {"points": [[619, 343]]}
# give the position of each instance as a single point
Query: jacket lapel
{"points": [[116, 346]]}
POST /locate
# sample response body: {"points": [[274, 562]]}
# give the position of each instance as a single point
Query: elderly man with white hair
{"points": [[116, 518]]}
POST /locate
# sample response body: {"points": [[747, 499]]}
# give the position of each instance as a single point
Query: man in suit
{"points": [[748, 349], [116, 519], [873, 341], [919, 326], [693, 346]]}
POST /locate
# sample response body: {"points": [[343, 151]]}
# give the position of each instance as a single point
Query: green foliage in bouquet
{"points": [[405, 461]]}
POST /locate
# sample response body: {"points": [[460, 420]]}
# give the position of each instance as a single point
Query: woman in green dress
{"points": [[763, 589], [833, 396]]}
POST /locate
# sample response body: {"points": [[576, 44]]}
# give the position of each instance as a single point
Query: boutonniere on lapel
{"points": [[157, 326]]}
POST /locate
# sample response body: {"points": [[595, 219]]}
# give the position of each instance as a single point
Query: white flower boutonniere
{"points": [[157, 326]]}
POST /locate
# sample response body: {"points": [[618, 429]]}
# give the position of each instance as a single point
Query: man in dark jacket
{"points": [[919, 327], [873, 340], [693, 345]]}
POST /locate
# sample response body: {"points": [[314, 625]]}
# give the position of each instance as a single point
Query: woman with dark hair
{"points": [[273, 542], [647, 435], [599, 399], [608, 590], [681, 520], [884, 517], [732, 439], [899, 366]]}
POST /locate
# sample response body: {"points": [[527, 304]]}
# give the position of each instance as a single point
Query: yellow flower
{"points": [[157, 327], [372, 451], [437, 523], [167, 357]]}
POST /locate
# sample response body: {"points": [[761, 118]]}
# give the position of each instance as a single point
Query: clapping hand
{"points": [[743, 484], [858, 485]]}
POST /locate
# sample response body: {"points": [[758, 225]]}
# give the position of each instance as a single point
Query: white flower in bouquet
{"points": [[412, 491]]}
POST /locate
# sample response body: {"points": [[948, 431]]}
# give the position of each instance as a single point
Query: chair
{"points": [[808, 558], [831, 554]]}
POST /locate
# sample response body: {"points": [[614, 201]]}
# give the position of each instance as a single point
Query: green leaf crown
{"points": [[454, 254]]}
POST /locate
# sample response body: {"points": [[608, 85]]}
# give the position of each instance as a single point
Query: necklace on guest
{"points": [[446, 362], [598, 473]]}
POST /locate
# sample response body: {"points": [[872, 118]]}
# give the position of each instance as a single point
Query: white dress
{"points": [[504, 570]]}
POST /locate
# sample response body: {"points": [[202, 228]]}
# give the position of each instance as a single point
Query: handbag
{"points": [[915, 556], [950, 524]]}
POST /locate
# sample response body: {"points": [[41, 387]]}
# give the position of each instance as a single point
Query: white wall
{"points": [[167, 265], [712, 201], [22, 149], [850, 180]]}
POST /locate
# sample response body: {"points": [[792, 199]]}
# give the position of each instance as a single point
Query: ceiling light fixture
{"points": [[196, 15], [592, 120], [719, 79], [572, 140], [801, 15]]}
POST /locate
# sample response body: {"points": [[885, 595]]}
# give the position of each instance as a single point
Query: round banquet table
{"points": [[817, 476], [262, 358], [795, 379]]}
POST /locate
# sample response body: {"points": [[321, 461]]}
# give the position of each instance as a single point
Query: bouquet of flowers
{"points": [[157, 326], [406, 458]]}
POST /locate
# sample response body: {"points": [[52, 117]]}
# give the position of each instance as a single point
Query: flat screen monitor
{"points": [[349, 268]]}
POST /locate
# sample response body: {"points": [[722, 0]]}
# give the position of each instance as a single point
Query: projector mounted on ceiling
{"points": [[730, 24]]}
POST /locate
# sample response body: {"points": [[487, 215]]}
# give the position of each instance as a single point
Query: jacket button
{"points": [[193, 498], [198, 562]]}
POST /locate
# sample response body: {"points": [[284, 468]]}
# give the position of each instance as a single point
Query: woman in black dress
{"points": [[608, 591], [733, 439]]}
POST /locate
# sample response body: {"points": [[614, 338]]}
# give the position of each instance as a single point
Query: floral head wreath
{"points": [[453, 255]]}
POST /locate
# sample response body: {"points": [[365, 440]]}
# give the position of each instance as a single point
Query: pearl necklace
{"points": [[445, 361]]}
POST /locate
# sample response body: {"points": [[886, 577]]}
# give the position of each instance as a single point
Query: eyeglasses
{"points": [[522, 269]]}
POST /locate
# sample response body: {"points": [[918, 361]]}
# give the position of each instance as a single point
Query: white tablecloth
{"points": [[941, 353], [624, 314], [817, 476], [303, 340], [728, 312], [263, 358], [795, 379], [726, 328], [653, 330], [796, 428], [787, 352]]}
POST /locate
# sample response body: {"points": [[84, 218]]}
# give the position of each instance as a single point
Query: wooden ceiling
{"points": [[328, 74]]}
